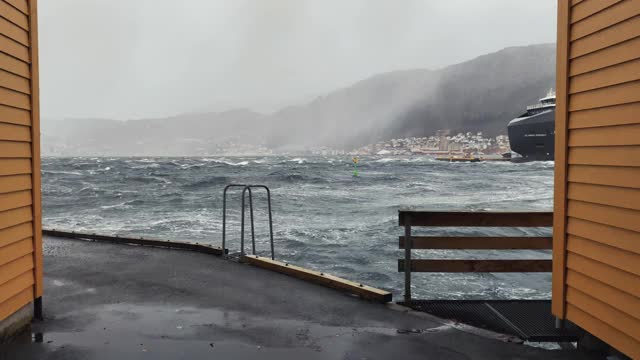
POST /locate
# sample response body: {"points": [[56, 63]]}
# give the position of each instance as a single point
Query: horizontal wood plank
{"points": [[14, 132], [14, 82], [14, 66], [605, 116], [14, 15], [13, 48], [612, 256], [16, 250], [15, 233], [605, 312], [610, 16], [16, 285], [16, 267], [603, 292], [15, 99], [605, 38], [12, 115], [18, 301], [602, 330], [605, 155], [15, 149], [327, 280], [605, 195], [455, 266], [604, 214], [15, 200], [612, 95], [478, 243], [15, 166], [14, 217], [476, 218], [621, 280], [616, 54], [605, 234], [14, 183], [14, 32], [20, 5], [609, 76], [605, 175], [588, 8], [605, 136]]}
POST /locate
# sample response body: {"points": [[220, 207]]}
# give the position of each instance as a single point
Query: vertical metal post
{"points": [[253, 232], [559, 323], [244, 191], [270, 222], [407, 259], [224, 218], [37, 309]]}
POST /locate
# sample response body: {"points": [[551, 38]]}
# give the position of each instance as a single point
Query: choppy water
{"points": [[324, 218]]}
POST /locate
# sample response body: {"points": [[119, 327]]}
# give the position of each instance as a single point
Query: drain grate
{"points": [[530, 320]]}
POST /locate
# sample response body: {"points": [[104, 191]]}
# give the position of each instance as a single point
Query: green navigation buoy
{"points": [[355, 166]]}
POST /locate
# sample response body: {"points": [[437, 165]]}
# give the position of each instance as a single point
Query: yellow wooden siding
{"points": [[597, 271], [15, 149], [613, 55], [16, 250], [20, 228], [15, 216], [605, 18], [14, 166], [14, 82], [11, 13], [605, 293], [16, 302], [21, 5], [16, 267], [608, 76], [12, 115]]}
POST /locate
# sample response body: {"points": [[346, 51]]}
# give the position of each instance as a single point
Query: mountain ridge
{"points": [[481, 94]]}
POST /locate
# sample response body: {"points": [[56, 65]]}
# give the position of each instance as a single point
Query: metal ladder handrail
{"points": [[246, 188], [253, 240], [224, 210]]}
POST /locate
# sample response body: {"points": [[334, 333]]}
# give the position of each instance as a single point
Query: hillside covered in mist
{"points": [[482, 94]]}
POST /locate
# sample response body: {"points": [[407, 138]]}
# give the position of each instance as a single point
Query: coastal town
{"points": [[442, 143]]}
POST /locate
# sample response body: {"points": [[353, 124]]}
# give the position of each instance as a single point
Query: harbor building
{"points": [[21, 281]]}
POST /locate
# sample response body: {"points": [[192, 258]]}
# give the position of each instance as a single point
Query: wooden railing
{"points": [[409, 219]]}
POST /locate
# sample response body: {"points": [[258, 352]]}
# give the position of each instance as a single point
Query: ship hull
{"points": [[533, 136]]}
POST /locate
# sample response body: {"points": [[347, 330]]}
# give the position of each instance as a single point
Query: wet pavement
{"points": [[107, 301]]}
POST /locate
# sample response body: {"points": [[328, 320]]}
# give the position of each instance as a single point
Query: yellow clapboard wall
{"points": [[596, 276], [20, 212]]}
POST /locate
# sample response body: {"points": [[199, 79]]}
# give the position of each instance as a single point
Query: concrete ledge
{"points": [[16, 323], [320, 278], [203, 248]]}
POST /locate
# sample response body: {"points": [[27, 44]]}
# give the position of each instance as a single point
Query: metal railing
{"points": [[408, 242], [247, 189]]}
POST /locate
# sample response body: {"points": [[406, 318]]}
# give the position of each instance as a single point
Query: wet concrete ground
{"points": [[106, 301]]}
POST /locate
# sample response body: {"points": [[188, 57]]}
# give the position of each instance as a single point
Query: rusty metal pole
{"points": [[407, 259]]}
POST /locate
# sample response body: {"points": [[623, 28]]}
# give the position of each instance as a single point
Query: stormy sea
{"points": [[324, 217]]}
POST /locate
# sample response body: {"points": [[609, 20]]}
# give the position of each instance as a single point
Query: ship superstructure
{"points": [[531, 135]]}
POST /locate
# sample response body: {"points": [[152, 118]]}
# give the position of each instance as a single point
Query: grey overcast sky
{"points": [[129, 59]]}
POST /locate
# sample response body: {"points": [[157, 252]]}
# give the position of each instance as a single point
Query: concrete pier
{"points": [[110, 301]]}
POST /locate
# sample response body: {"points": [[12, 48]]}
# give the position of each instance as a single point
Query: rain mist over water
{"points": [[324, 218]]}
